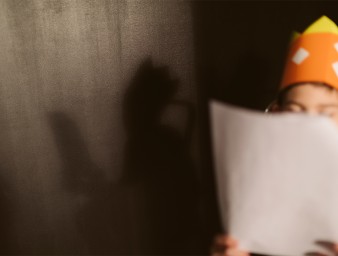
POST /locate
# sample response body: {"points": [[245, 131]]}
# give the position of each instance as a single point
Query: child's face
{"points": [[312, 99]]}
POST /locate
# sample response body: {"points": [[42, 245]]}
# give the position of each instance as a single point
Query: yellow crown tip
{"points": [[322, 25], [294, 36]]}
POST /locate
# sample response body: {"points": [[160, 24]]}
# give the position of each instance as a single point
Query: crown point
{"points": [[322, 25], [294, 36]]}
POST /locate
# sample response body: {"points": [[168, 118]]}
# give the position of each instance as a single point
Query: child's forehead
{"points": [[312, 86], [313, 93], [309, 93]]}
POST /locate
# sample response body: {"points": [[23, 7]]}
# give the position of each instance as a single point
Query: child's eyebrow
{"points": [[328, 105]]}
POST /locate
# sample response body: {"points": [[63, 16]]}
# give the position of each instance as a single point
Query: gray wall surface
{"points": [[98, 145]]}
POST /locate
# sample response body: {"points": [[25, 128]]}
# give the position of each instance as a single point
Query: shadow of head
{"points": [[149, 92]]}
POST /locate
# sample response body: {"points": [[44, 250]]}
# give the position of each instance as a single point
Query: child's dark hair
{"points": [[282, 95]]}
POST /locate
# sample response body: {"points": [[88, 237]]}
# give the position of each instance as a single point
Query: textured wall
{"points": [[78, 174]]}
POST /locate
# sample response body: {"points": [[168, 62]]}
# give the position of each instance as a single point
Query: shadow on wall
{"points": [[101, 218], [157, 166], [157, 161]]}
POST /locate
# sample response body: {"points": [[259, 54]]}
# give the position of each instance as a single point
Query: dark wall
{"points": [[98, 128], [105, 143], [240, 49]]}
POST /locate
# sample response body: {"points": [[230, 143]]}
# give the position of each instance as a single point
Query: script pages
{"points": [[277, 179]]}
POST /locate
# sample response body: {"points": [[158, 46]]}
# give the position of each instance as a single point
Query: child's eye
{"points": [[293, 109]]}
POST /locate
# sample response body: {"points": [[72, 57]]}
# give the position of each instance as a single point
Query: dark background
{"points": [[105, 142]]}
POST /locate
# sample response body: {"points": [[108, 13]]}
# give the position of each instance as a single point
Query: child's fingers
{"points": [[217, 254], [329, 246], [218, 246], [230, 242], [235, 252], [225, 245], [336, 248], [315, 254], [225, 240]]}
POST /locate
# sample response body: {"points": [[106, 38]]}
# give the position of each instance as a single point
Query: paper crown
{"points": [[313, 55]]}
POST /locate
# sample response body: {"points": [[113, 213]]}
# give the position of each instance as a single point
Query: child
{"points": [[309, 85]]}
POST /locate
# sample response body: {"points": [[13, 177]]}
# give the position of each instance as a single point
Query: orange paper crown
{"points": [[313, 55]]}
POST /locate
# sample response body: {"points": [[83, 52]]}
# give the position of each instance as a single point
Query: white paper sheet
{"points": [[277, 179]]}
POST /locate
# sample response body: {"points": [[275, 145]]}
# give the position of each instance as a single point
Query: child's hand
{"points": [[226, 246], [332, 249]]}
